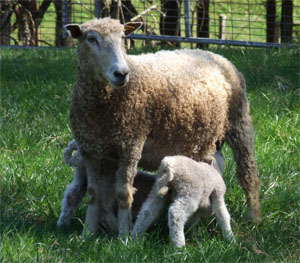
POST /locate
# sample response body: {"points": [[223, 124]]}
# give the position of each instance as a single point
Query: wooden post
{"points": [[287, 21], [222, 27], [277, 33]]}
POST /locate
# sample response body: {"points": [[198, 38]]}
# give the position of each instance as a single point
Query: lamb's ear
{"points": [[74, 29], [130, 27]]}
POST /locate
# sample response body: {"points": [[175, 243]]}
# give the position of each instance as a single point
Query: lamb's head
{"points": [[101, 48]]}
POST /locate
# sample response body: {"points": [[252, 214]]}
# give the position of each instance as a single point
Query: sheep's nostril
{"points": [[120, 75]]}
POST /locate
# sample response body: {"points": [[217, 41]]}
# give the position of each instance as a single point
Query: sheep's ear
{"points": [[130, 27], [74, 29]]}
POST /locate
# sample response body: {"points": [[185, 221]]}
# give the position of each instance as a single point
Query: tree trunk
{"points": [[25, 12], [287, 21], [170, 22], [41, 12], [6, 11], [203, 21], [129, 10]]}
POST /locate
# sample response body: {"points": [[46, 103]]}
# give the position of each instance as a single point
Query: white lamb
{"points": [[195, 189]]}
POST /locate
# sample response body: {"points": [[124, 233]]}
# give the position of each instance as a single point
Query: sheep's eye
{"points": [[92, 39]]}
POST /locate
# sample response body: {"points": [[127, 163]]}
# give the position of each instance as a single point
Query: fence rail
{"points": [[255, 23]]}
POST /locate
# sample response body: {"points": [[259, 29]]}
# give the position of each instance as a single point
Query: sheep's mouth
{"points": [[119, 83]]}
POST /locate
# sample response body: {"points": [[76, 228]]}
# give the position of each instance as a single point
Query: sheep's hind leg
{"points": [[73, 195], [179, 212], [240, 139]]}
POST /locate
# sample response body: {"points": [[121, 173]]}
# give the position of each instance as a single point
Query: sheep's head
{"points": [[101, 47]]}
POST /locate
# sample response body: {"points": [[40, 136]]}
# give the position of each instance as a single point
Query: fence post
{"points": [[222, 27], [187, 18], [64, 18], [97, 8]]}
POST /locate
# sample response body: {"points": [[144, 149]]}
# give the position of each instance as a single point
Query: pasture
{"points": [[35, 93]]}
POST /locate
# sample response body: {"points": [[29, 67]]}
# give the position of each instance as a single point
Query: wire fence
{"points": [[168, 22]]}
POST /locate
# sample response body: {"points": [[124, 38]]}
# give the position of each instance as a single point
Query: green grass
{"points": [[35, 94]]}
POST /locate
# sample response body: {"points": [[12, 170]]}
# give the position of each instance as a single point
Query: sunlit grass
{"points": [[35, 94]]}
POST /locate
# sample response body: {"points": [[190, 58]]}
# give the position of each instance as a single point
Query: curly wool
{"points": [[175, 103], [185, 113]]}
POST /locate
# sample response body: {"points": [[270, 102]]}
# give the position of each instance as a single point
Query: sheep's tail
{"points": [[165, 176], [69, 158], [242, 81]]}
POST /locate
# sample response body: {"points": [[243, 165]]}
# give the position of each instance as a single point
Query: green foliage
{"points": [[35, 94]]}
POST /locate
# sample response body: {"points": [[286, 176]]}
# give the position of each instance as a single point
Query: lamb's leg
{"points": [[240, 139], [73, 195], [93, 170], [222, 215], [179, 212], [148, 213]]}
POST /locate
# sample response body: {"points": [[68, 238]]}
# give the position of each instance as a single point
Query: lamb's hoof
{"points": [[62, 223], [179, 244], [230, 237]]}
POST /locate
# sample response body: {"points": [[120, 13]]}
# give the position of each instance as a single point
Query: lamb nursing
{"points": [[195, 190], [135, 110]]}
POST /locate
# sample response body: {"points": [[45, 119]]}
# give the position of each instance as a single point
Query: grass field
{"points": [[35, 93]]}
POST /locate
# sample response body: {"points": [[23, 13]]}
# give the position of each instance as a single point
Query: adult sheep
{"points": [[134, 110]]}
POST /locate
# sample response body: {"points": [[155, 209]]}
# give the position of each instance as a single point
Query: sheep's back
{"points": [[189, 94]]}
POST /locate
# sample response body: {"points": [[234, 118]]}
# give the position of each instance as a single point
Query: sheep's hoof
{"points": [[87, 233], [253, 216]]}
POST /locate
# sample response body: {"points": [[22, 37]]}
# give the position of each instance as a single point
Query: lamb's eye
{"points": [[92, 39]]}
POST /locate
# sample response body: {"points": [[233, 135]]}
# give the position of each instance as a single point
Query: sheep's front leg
{"points": [[108, 219], [93, 170], [124, 190], [73, 195]]}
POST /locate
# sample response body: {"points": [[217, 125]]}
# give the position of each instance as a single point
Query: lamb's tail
{"points": [[165, 176], [70, 158]]}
